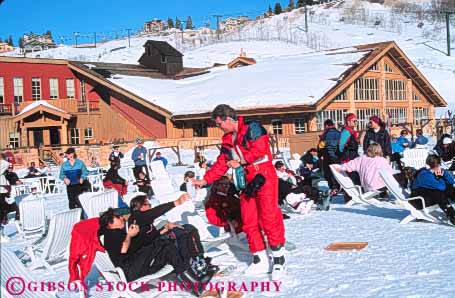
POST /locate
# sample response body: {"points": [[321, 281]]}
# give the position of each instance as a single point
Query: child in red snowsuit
{"points": [[223, 206]]}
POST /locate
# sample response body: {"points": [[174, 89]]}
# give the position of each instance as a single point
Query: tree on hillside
{"points": [[21, 42], [189, 23], [291, 5], [178, 23], [270, 10], [10, 41], [170, 23], [278, 8]]}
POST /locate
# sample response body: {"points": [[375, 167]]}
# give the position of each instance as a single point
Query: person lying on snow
{"points": [[185, 237], [435, 186], [223, 206], [115, 181], [141, 253]]}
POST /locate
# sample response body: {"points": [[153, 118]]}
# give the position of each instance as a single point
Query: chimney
{"points": [[242, 53]]}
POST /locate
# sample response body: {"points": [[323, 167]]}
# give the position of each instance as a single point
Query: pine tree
{"points": [[21, 42], [1, 40], [270, 10], [278, 8], [10, 41], [189, 23], [291, 5], [178, 23], [170, 23]]}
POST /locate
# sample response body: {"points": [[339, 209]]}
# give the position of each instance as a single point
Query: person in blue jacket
{"points": [[435, 186], [73, 173], [420, 138], [159, 157], [403, 142], [139, 158]]}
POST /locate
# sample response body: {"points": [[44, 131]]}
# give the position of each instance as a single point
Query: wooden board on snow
{"points": [[214, 294], [346, 246]]}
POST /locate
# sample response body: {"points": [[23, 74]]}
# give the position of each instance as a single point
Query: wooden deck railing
{"points": [[67, 104]]}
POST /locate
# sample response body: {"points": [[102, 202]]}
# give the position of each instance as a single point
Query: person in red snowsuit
{"points": [[247, 145]]}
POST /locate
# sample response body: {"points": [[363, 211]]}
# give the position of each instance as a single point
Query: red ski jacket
{"points": [[252, 147], [83, 248]]}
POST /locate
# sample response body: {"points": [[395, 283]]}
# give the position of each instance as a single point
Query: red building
{"points": [[50, 102]]}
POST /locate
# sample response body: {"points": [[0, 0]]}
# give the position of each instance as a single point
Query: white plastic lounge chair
{"points": [[94, 203], [96, 182], [163, 190], [295, 164], [56, 243], [116, 275], [32, 223], [355, 191], [13, 267], [127, 173], [296, 156], [158, 170], [403, 198], [415, 158]]}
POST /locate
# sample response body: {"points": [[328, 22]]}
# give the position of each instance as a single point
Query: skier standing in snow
{"points": [[245, 146]]}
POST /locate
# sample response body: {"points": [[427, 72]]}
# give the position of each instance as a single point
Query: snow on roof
{"points": [[279, 81], [37, 104]]}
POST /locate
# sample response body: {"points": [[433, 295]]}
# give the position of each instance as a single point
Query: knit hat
{"points": [[447, 141], [139, 141], [351, 117], [376, 120]]}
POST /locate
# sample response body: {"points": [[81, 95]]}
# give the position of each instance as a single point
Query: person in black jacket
{"points": [[114, 180], [138, 261], [379, 135], [186, 237], [116, 155]]}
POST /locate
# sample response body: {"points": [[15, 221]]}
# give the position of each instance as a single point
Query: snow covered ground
{"points": [[413, 260]]}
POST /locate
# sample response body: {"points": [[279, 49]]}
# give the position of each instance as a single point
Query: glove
{"points": [[254, 186]]}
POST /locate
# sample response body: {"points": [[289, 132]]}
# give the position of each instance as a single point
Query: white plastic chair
{"points": [[158, 170], [96, 182], [12, 267], [296, 156], [127, 173], [294, 164], [403, 198], [95, 203], [115, 275], [355, 191], [57, 240], [415, 158], [32, 223]]}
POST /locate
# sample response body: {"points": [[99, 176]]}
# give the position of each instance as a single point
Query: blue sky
{"points": [[63, 17]]}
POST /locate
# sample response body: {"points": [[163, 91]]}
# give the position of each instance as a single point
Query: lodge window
{"points": [[415, 97], [299, 126], [83, 93], [419, 115], [74, 136], [14, 139], [53, 85], [395, 90], [397, 115], [277, 127], [387, 68], [18, 84], [200, 130], [2, 91], [363, 117], [163, 59], [36, 88], [88, 134], [342, 96], [70, 88], [337, 116], [374, 67], [366, 89]]}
